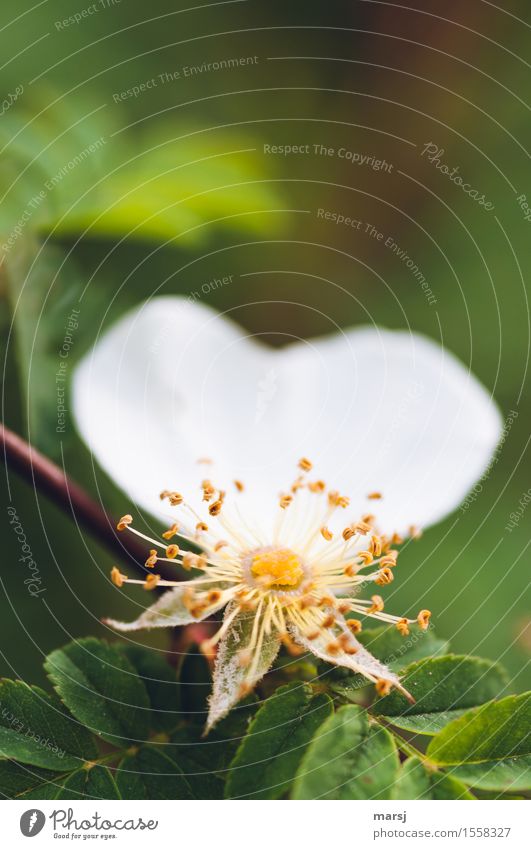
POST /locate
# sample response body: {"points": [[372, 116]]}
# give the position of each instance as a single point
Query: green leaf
{"points": [[18, 780], [161, 684], [392, 649], [269, 755], [94, 783], [196, 684], [229, 674], [490, 746], [349, 758], [101, 688], [161, 772], [396, 651], [415, 781], [35, 729], [443, 687]]}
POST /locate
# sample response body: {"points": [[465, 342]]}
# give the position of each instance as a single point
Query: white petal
{"points": [[374, 409], [167, 612], [229, 674], [362, 662]]}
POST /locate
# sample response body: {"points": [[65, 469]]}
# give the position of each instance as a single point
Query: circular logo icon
{"points": [[31, 822]]}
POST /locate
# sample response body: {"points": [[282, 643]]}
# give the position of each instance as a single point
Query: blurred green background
{"points": [[125, 172]]}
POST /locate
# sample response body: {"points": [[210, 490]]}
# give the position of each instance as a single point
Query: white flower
{"points": [[397, 429]]}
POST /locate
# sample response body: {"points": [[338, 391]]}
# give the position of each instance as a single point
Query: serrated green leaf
{"points": [[396, 651], [489, 746], [415, 781], [95, 783], [161, 684], [215, 752], [101, 688], [349, 758], [162, 772], [17, 780], [442, 687], [35, 729], [269, 755]]}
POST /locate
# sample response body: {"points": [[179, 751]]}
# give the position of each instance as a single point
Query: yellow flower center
{"points": [[277, 567]]}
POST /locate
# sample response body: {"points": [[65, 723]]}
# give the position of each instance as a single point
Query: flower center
{"points": [[277, 568]]}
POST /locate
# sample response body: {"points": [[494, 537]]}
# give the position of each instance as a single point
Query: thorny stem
{"points": [[46, 477]]}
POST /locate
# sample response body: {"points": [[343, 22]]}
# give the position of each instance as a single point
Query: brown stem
{"points": [[46, 477]]}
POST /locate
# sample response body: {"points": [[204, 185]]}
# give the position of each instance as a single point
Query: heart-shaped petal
{"points": [[375, 410]]}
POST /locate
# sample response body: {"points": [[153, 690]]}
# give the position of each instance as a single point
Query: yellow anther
{"points": [[424, 619], [278, 567], [402, 627], [354, 625], [152, 559], [383, 687], [201, 526], [172, 551], [317, 486], [151, 581], [362, 528], [337, 500], [365, 556], [385, 576], [305, 464], [285, 501], [215, 508], [326, 534], [171, 532], [222, 543], [348, 533], [375, 496], [375, 546], [239, 486], [124, 522], [117, 578], [377, 604], [175, 498]]}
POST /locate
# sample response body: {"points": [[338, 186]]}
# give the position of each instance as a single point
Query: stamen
{"points": [[305, 464], [326, 534], [124, 522], [171, 532], [402, 627], [385, 576], [424, 619], [151, 581], [375, 495], [383, 687], [117, 577]]}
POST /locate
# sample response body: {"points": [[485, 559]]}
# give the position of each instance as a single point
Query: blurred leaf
{"points": [[94, 783], [155, 773], [269, 755], [18, 781], [195, 680], [415, 781], [490, 746], [35, 729], [101, 688], [160, 682], [348, 759], [442, 687], [42, 289]]}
